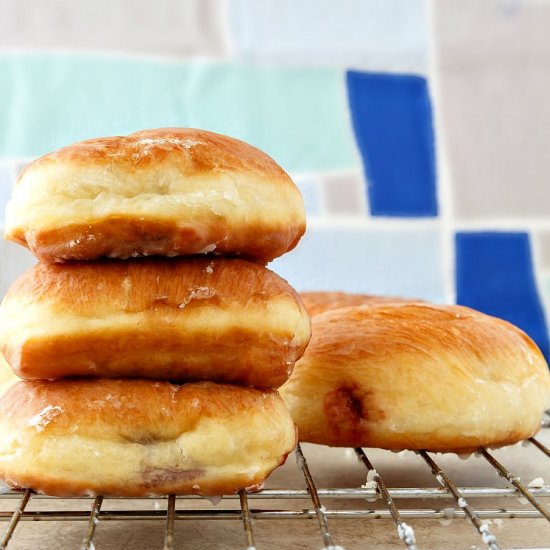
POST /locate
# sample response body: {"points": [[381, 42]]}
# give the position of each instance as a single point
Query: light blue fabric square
{"points": [[405, 262], [296, 115]]}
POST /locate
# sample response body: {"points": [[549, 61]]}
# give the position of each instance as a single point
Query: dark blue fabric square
{"points": [[392, 120], [494, 273]]}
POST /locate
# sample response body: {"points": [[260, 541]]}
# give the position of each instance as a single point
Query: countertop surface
{"points": [[330, 468]]}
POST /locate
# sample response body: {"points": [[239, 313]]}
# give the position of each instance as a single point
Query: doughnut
{"points": [[320, 301], [417, 376], [166, 192], [182, 319], [139, 437]]}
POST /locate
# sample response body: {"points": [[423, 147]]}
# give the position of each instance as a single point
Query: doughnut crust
{"points": [[139, 437], [320, 301], [184, 319], [166, 192], [417, 376]]}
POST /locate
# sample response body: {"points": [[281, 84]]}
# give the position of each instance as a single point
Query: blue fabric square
{"points": [[494, 273], [392, 120]]}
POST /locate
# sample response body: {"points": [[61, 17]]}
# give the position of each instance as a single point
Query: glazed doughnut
{"points": [[417, 376], [185, 319], [139, 437], [319, 301], [167, 192]]}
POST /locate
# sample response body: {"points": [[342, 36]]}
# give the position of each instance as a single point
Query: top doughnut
{"points": [[166, 192]]}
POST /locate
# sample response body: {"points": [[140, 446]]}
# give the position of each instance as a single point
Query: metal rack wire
{"points": [[377, 489]]}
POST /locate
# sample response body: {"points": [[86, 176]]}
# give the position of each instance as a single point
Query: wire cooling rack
{"points": [[319, 507]]}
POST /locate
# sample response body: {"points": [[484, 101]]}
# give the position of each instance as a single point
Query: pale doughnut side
{"points": [[7, 376]]}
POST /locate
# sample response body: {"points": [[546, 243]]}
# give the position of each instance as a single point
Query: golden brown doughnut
{"points": [[320, 301], [417, 376], [219, 319], [167, 192], [139, 437]]}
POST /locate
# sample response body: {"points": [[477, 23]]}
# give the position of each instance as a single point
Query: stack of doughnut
{"points": [[151, 338], [404, 374]]}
